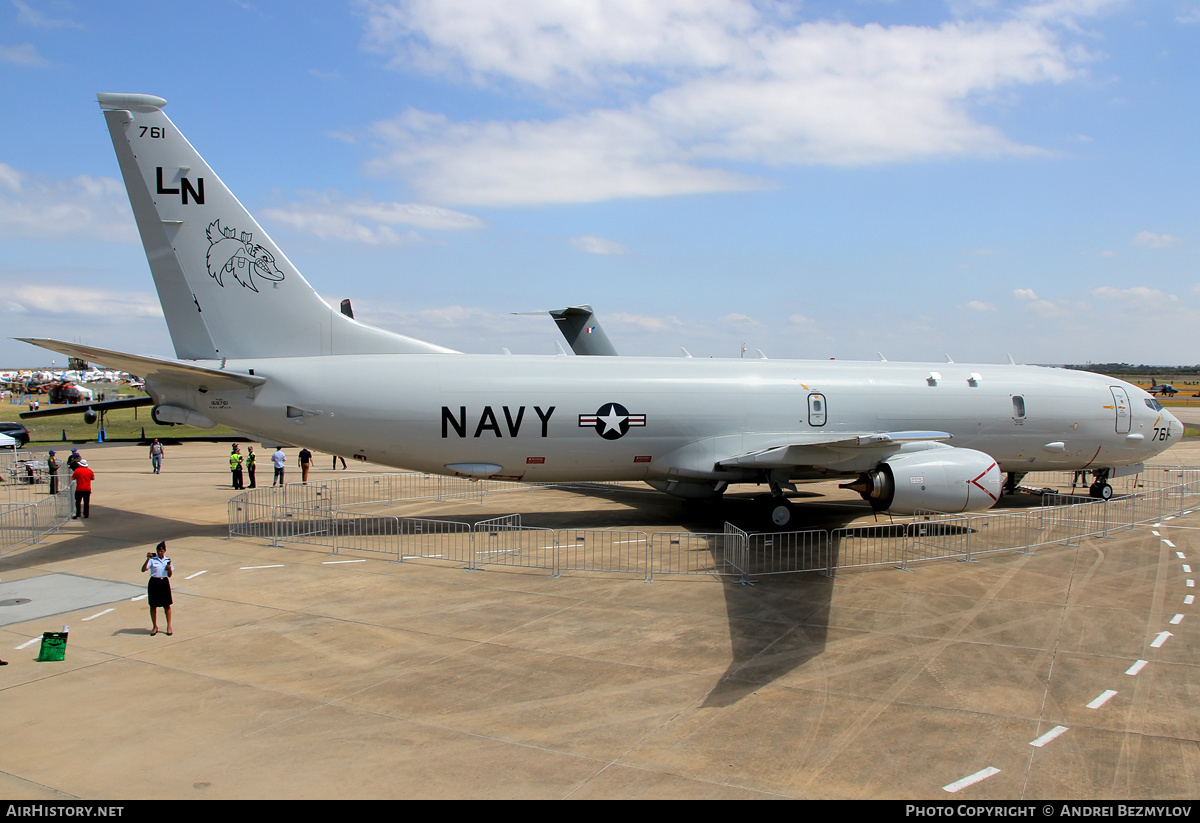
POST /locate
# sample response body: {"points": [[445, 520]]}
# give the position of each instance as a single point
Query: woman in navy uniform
{"points": [[159, 588]]}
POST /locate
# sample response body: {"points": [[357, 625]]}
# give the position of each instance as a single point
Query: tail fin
{"points": [[225, 287], [580, 327]]}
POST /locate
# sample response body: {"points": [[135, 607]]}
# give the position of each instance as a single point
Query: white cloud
{"points": [[643, 322], [25, 54], [1143, 296], [29, 16], [328, 217], [978, 305], [591, 244], [1136, 306], [580, 159], [740, 320], [82, 208], [10, 178], [1152, 240], [545, 43], [1045, 309], [72, 301], [657, 96]]}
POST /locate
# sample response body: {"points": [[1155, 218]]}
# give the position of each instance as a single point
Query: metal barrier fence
{"points": [[713, 553], [31, 521], [317, 514], [503, 541], [603, 550]]}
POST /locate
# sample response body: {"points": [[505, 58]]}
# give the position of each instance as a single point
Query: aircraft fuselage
{"points": [[572, 418]]}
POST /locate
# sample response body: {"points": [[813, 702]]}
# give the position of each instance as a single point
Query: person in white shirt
{"points": [[277, 460], [158, 590]]}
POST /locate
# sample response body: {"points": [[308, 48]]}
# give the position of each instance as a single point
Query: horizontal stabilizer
{"points": [[153, 368], [81, 408]]}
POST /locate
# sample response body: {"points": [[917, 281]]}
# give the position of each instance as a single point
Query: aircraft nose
{"points": [[1167, 431], [1175, 427]]}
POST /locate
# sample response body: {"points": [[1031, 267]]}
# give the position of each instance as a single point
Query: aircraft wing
{"points": [[823, 450], [80, 408], [153, 368]]}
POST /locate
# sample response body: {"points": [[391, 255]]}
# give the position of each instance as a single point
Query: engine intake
{"points": [[945, 479]]}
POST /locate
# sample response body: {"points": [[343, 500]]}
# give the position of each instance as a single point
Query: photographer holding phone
{"points": [[158, 590]]}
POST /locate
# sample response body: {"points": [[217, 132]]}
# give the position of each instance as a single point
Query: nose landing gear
{"points": [[1100, 488]]}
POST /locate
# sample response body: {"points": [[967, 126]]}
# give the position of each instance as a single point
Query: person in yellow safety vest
{"points": [[235, 466]]}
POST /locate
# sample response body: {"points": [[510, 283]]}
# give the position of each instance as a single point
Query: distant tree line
{"points": [[1117, 369]]}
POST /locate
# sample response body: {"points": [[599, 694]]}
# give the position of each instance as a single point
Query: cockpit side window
{"points": [[1154, 404]]}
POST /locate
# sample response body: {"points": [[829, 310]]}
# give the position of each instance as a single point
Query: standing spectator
{"points": [[52, 465], [156, 455], [277, 460], [83, 477], [336, 458], [73, 460], [250, 461], [158, 590], [235, 466], [305, 464]]}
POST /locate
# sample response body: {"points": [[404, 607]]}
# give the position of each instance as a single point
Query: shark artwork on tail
{"points": [[269, 358]]}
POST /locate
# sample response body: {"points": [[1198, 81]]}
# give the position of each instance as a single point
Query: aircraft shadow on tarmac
{"points": [[136, 529], [775, 626], [782, 622]]}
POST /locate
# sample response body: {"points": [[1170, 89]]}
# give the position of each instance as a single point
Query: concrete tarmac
{"points": [[294, 674]]}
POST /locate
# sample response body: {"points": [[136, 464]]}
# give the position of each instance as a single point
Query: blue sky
{"points": [[811, 179]]}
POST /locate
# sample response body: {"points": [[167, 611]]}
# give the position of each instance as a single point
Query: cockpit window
{"points": [[1154, 404]]}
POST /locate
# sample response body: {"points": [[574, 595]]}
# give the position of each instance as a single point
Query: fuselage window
{"points": [[1018, 407]]}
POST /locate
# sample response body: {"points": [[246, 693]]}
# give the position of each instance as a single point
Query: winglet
{"points": [[134, 102]]}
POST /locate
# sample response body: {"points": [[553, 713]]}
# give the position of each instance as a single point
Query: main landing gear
{"points": [[775, 511], [778, 512]]}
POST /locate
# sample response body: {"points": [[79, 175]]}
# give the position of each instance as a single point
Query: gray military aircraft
{"points": [[1165, 389], [259, 351]]}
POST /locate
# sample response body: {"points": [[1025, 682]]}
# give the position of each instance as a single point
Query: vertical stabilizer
{"points": [[226, 289], [582, 331]]}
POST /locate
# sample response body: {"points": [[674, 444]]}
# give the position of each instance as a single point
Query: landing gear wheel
{"points": [[1102, 491], [779, 513]]}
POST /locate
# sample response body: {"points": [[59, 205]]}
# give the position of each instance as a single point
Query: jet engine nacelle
{"points": [[943, 479], [172, 415]]}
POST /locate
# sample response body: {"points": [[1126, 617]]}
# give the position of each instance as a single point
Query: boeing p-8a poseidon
{"points": [[259, 351]]}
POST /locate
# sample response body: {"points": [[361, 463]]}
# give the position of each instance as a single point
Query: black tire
{"points": [[779, 513]]}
